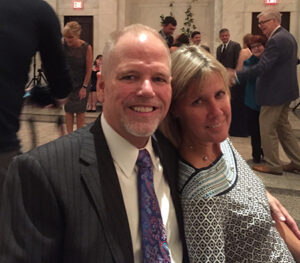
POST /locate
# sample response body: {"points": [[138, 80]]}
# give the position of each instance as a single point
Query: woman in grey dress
{"points": [[226, 212], [80, 60]]}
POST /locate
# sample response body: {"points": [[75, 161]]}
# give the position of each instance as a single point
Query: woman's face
{"points": [[71, 39], [99, 62], [257, 49], [204, 113]]}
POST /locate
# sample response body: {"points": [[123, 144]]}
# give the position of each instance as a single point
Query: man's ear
{"points": [[100, 87]]}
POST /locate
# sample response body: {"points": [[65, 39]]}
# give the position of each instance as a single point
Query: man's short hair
{"points": [[169, 20], [223, 30], [272, 13], [135, 30], [195, 33]]}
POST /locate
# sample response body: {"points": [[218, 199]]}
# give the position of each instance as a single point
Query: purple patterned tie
{"points": [[154, 238]]}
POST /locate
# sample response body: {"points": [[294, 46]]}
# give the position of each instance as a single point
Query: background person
{"points": [[27, 26], [180, 40], [168, 27], [225, 207], [276, 87], [92, 101], [257, 45], [245, 52], [196, 40], [228, 53], [80, 59]]}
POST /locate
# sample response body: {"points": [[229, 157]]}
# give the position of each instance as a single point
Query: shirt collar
{"points": [[123, 152], [274, 31]]}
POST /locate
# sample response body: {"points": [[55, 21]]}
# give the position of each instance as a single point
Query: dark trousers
{"points": [[238, 126], [253, 130]]}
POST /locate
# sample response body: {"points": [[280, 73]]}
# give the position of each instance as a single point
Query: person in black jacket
{"points": [[27, 26]]}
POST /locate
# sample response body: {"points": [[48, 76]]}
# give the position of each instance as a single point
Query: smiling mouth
{"points": [[215, 125], [143, 109]]}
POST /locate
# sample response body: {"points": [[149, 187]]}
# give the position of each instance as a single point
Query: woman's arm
{"points": [[292, 242], [280, 214], [88, 72]]}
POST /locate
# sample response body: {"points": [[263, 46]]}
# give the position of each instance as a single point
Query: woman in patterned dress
{"points": [[80, 60], [226, 212]]}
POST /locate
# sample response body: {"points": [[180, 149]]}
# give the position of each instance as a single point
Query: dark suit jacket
{"points": [[63, 203], [230, 57], [169, 39], [276, 70]]}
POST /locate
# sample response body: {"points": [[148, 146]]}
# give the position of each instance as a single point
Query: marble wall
{"points": [[209, 16]]}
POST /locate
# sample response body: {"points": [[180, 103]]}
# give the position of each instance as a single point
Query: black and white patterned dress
{"points": [[226, 213]]}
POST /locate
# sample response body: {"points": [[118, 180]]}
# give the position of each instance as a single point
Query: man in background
{"points": [[168, 27], [27, 26], [196, 40], [276, 87], [228, 52]]}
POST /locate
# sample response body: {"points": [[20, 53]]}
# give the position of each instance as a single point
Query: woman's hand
{"points": [[279, 213], [82, 93]]}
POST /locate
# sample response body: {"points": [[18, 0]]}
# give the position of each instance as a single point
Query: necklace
{"points": [[204, 158]]}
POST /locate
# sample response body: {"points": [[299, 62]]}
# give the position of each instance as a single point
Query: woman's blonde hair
{"points": [[189, 64], [72, 28]]}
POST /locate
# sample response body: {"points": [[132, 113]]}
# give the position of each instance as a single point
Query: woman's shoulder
{"points": [[245, 53]]}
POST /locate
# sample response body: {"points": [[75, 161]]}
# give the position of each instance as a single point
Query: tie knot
{"points": [[144, 159]]}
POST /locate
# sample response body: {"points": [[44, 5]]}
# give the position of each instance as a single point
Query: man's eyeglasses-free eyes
{"points": [[263, 22]]}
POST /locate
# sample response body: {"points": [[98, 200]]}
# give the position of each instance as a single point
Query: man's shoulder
{"points": [[68, 145], [234, 43], [281, 33]]}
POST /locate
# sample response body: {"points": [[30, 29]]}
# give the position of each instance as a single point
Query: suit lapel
{"points": [[103, 185]]}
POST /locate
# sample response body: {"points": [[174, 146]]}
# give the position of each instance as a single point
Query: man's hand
{"points": [[279, 213], [231, 76]]}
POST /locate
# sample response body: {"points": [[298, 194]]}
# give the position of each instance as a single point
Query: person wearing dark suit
{"points": [[168, 27], [196, 40], [27, 26], [77, 199], [276, 87], [228, 54]]}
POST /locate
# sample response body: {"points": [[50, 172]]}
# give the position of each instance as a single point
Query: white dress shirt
{"points": [[124, 156]]}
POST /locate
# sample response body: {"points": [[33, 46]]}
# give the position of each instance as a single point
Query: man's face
{"points": [[136, 92], [267, 25], [225, 36], [196, 39], [169, 29]]}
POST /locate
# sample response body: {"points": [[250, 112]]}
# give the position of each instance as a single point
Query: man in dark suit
{"points": [[276, 87], [228, 52], [168, 27], [196, 40], [76, 199]]}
